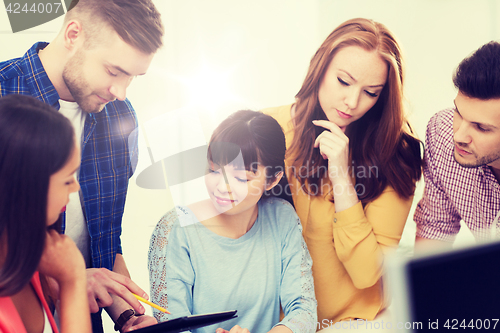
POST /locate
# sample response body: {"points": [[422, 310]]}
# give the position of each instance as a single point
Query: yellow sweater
{"points": [[347, 248]]}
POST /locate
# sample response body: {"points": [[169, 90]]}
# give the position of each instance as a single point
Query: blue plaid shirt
{"points": [[107, 159]]}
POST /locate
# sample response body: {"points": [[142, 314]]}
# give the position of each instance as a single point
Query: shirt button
{"points": [[335, 220]]}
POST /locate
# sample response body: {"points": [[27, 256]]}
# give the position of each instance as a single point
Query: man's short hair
{"points": [[478, 76], [137, 22]]}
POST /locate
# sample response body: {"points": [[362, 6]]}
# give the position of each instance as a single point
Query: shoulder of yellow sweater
{"points": [[278, 111], [389, 195], [283, 117]]}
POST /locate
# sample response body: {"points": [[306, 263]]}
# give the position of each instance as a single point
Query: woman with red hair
{"points": [[352, 164]]}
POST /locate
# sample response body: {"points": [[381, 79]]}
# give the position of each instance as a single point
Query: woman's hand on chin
{"points": [[333, 145], [61, 259]]}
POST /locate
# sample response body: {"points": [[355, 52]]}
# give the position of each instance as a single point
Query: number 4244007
{"points": [[45, 8], [455, 324]]}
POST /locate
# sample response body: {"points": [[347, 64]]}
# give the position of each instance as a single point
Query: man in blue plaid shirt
{"points": [[84, 73]]}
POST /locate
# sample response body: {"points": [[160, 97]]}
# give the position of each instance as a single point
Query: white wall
{"points": [[224, 55]]}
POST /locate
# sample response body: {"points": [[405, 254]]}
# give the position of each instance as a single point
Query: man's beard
{"points": [[77, 86], [484, 160]]}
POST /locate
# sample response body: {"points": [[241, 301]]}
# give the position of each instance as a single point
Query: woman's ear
{"points": [[275, 182]]}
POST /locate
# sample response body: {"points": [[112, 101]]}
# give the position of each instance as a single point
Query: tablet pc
{"points": [[448, 289], [188, 323]]}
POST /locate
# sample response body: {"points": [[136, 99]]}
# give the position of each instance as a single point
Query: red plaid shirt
{"points": [[452, 192]]}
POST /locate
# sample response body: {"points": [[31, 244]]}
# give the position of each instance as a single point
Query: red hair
{"points": [[381, 140]]}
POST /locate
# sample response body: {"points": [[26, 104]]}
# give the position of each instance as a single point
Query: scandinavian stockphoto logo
{"points": [[26, 14]]}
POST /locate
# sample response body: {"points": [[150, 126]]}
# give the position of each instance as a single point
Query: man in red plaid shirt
{"points": [[462, 155]]}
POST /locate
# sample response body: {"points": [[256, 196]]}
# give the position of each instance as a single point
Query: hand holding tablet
{"points": [[188, 322]]}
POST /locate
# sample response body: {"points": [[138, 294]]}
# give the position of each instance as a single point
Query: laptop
{"points": [[188, 323], [447, 290]]}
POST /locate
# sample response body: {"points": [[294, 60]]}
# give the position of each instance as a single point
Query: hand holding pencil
{"points": [[151, 304]]}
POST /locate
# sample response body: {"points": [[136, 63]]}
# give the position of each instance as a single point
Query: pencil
{"points": [[151, 304]]}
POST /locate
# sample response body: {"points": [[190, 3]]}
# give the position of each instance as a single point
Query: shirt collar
{"points": [[37, 79], [488, 175]]}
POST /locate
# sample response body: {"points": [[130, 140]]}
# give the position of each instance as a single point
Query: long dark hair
{"points": [[381, 143], [35, 142], [257, 136]]}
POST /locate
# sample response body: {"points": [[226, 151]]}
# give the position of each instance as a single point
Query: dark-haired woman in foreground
{"points": [[352, 165], [236, 250], [38, 161]]}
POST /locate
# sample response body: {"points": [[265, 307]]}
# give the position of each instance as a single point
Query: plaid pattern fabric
{"points": [[106, 159], [452, 192]]}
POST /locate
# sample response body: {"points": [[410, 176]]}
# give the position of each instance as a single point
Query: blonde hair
{"points": [[137, 22]]}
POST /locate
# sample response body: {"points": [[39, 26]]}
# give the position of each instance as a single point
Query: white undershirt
{"points": [[47, 328], [76, 225]]}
